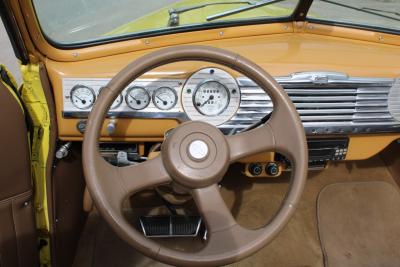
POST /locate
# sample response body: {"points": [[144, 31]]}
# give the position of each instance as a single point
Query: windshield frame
{"points": [[299, 14], [300, 11]]}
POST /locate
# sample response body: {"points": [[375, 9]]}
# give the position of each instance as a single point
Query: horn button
{"points": [[198, 150], [196, 154]]}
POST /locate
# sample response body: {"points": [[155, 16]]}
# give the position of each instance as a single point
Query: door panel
{"points": [[18, 242]]}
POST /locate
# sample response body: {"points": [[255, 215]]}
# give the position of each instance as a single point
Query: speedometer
{"points": [[211, 98], [211, 95]]}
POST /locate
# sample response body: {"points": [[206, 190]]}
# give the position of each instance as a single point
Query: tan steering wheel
{"points": [[228, 241]]}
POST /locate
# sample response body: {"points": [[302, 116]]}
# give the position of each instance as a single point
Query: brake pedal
{"points": [[170, 226]]}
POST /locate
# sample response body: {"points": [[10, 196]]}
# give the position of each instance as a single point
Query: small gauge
{"points": [[165, 98], [117, 102], [211, 98], [82, 96], [137, 98]]}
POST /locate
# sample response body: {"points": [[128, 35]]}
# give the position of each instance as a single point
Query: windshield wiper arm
{"points": [[242, 9], [368, 10], [174, 12]]}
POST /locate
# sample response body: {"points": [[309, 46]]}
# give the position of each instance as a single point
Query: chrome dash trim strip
{"points": [[327, 102]]}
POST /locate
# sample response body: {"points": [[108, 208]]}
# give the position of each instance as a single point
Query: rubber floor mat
{"points": [[359, 224]]}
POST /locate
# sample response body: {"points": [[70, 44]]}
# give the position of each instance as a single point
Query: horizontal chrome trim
{"points": [[180, 116], [327, 102], [325, 78]]}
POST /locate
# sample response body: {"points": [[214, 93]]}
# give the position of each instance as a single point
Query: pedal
{"points": [[170, 226]]}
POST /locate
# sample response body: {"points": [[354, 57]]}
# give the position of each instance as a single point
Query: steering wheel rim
{"points": [[228, 242]]}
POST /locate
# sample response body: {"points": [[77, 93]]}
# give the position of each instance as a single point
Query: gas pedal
{"points": [[170, 226]]}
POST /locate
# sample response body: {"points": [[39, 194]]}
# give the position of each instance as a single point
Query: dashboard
{"points": [[343, 83], [327, 102]]}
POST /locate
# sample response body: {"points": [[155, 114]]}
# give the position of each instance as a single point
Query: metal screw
{"points": [[221, 33]]}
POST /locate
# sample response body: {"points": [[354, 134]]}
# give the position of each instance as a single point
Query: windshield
{"points": [[383, 14], [81, 21]]}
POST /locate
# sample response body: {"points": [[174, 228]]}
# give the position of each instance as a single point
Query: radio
{"points": [[322, 150]]}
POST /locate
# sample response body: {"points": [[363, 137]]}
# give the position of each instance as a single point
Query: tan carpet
{"points": [[359, 224], [254, 201]]}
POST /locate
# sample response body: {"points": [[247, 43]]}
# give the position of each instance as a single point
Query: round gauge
{"points": [[82, 97], [137, 98], [117, 102], [211, 98], [165, 98]]}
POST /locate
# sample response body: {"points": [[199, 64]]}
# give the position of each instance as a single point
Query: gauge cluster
{"points": [[142, 98], [210, 95]]}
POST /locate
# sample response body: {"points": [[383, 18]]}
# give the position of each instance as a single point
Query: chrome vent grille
{"points": [[332, 105], [394, 100]]}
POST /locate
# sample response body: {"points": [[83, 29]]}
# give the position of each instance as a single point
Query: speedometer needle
{"points": [[211, 97]]}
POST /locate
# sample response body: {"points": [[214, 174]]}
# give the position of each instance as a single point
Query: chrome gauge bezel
{"points": [[154, 95], [197, 89], [78, 86], [120, 97], [194, 82], [130, 89]]}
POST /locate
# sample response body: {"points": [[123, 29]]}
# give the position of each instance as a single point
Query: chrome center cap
{"points": [[198, 150]]}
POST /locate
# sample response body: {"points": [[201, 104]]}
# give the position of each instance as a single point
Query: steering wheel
{"points": [[196, 155]]}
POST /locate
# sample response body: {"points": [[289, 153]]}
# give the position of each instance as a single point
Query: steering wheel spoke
{"points": [[143, 175], [249, 143], [286, 141], [213, 209]]}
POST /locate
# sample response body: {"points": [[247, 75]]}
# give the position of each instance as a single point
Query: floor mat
{"points": [[252, 202], [359, 224]]}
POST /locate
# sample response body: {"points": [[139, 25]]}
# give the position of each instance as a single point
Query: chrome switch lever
{"points": [[111, 126]]}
